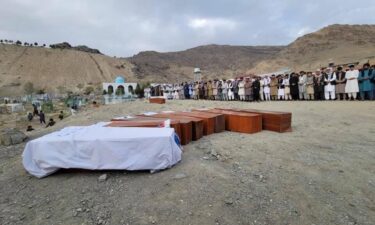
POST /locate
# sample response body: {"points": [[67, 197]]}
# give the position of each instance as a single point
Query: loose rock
{"points": [[102, 178], [11, 136], [180, 176]]}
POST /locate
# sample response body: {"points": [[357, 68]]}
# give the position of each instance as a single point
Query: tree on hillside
{"points": [[18, 42], [29, 88], [139, 91], [1, 41], [36, 44], [44, 45]]}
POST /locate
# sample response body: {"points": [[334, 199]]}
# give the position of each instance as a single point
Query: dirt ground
{"points": [[321, 173]]}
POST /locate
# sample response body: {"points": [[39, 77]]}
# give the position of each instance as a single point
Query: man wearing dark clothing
{"points": [[186, 91], [340, 84], [35, 111], [61, 115], [256, 89], [29, 128], [236, 89], [365, 84], [50, 123], [318, 86], [293, 82], [30, 116], [42, 117]]}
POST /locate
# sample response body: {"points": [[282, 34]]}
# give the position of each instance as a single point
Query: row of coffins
{"points": [[192, 125], [141, 142]]}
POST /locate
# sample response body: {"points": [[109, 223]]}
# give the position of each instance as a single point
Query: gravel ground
{"points": [[321, 173]]}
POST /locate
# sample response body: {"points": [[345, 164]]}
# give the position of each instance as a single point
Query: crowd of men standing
{"points": [[330, 83]]}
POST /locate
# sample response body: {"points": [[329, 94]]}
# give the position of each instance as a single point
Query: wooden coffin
{"points": [[209, 120], [186, 127], [238, 121], [218, 119], [157, 100], [197, 124], [149, 122], [272, 120]]}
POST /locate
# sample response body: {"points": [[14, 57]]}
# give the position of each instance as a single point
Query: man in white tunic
{"points": [[302, 86], [230, 90], [224, 90], [281, 87], [351, 87], [287, 88], [147, 92], [241, 90], [329, 84], [176, 92], [261, 82], [266, 88]]}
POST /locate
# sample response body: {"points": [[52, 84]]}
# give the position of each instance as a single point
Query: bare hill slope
{"points": [[214, 61], [50, 68], [335, 43]]}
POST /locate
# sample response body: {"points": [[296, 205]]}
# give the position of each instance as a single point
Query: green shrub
{"points": [[47, 107], [139, 91], [29, 88]]}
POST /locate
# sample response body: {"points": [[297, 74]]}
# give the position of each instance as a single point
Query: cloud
{"points": [[302, 31], [125, 27], [212, 23]]}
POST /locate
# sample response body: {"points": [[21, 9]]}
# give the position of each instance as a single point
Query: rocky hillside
{"points": [[51, 69], [214, 60], [335, 43]]}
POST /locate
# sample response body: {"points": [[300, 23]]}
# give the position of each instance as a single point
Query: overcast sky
{"points": [[125, 27]]}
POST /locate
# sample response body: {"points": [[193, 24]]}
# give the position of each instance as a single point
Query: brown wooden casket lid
{"points": [[157, 100], [271, 120], [209, 120], [239, 121]]}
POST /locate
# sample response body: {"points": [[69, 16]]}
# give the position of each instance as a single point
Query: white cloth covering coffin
{"points": [[100, 148]]}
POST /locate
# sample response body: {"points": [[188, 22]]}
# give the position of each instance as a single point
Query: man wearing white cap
{"points": [[351, 87], [302, 86], [266, 88], [261, 83], [329, 84], [287, 88], [230, 90], [241, 90]]}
